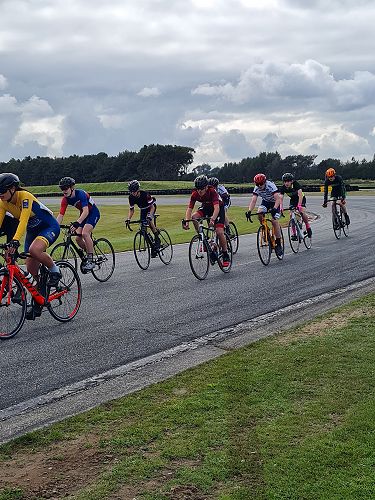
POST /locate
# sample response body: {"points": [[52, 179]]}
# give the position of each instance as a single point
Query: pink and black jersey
{"points": [[208, 200], [79, 200]]}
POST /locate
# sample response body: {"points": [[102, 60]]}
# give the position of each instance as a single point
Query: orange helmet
{"points": [[331, 172]]}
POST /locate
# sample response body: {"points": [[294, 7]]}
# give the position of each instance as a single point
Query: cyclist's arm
{"points": [[2, 215], [84, 214], [252, 202], [215, 212], [188, 213], [325, 193], [300, 196], [60, 218], [27, 204], [277, 197]]}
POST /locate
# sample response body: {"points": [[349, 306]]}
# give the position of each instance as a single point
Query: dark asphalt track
{"points": [[138, 313]]}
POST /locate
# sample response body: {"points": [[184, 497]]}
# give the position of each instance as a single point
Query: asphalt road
{"points": [[138, 313]]}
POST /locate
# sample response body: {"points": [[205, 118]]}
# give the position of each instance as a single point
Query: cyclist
{"points": [[293, 189], [224, 195], [270, 201], [338, 191], [34, 219], [147, 205], [88, 217], [213, 207]]}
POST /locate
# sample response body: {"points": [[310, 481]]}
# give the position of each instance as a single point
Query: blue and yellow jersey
{"points": [[28, 210]]}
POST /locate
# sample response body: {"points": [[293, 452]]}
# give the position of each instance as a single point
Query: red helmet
{"points": [[260, 179]]}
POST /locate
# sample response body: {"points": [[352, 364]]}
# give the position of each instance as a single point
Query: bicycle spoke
{"points": [[12, 314], [166, 249], [104, 259], [199, 257], [264, 245]]}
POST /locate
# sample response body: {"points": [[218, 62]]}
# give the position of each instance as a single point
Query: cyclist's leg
{"points": [[198, 215], [342, 203]]}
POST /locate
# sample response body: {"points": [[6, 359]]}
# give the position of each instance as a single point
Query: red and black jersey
{"points": [[144, 200], [209, 199]]}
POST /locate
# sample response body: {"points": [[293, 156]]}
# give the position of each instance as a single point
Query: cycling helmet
{"points": [[133, 186], [201, 181], [260, 179], [213, 181], [66, 182], [8, 180], [331, 172], [287, 177]]}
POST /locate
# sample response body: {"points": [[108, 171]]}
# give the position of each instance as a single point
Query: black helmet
{"points": [[201, 181], [8, 180], [133, 186], [213, 181], [287, 177], [66, 182]]}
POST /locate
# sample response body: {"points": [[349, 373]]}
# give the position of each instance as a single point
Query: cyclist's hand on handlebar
{"points": [[324, 205], [211, 223], [74, 226], [12, 246], [299, 208], [185, 225], [127, 222], [248, 216]]}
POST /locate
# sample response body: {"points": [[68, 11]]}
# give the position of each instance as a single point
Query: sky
{"points": [[229, 78]]}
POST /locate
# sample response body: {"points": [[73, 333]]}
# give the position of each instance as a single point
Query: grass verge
{"points": [[289, 417]]}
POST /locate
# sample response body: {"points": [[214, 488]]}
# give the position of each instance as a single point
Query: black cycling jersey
{"points": [[292, 192], [338, 188], [144, 200]]}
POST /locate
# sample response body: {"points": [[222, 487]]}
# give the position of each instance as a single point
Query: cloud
{"points": [[149, 92], [47, 132], [3, 82]]}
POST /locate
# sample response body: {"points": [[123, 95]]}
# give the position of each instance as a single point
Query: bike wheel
{"points": [[12, 315], [199, 257], [104, 260], [234, 238], [307, 240], [345, 227], [62, 251], [64, 300], [336, 223], [142, 251], [293, 233], [280, 257], [264, 245], [220, 256], [166, 249]]}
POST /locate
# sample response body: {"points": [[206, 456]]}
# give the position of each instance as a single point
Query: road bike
{"points": [[62, 301], [297, 232], [205, 249], [103, 258], [145, 246], [266, 240], [231, 231], [338, 220]]}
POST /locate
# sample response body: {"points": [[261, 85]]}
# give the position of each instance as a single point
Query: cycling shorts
{"points": [[294, 203], [207, 211], [266, 206], [46, 231], [92, 218]]}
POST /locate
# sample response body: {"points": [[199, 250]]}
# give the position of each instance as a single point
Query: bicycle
{"points": [[205, 250], [144, 245], [296, 233], [103, 258], [62, 301], [232, 233], [266, 240], [338, 220]]}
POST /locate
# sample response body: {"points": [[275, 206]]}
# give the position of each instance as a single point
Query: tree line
{"points": [[167, 162]]}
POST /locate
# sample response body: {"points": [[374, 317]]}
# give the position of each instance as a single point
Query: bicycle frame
{"points": [[203, 236], [297, 217], [15, 271], [68, 240]]}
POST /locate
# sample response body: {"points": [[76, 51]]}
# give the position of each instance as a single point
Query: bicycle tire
{"points": [[293, 231], [142, 250], [12, 316], [65, 307], [62, 251], [345, 227], [336, 224], [220, 256], [234, 237], [166, 248], [280, 257], [264, 245], [199, 257], [104, 260]]}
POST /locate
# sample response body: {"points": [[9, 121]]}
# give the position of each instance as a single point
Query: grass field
{"points": [[149, 185], [111, 224], [287, 418]]}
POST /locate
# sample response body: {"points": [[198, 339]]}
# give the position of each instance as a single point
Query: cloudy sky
{"points": [[230, 78]]}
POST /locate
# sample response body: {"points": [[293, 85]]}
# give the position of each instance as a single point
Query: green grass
{"points": [[111, 224], [290, 417]]}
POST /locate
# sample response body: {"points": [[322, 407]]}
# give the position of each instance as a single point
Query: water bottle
{"points": [[29, 277]]}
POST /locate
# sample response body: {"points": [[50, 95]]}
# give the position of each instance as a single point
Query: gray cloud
{"points": [[80, 76]]}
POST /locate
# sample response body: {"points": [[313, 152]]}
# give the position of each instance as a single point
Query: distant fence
{"points": [[233, 190]]}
